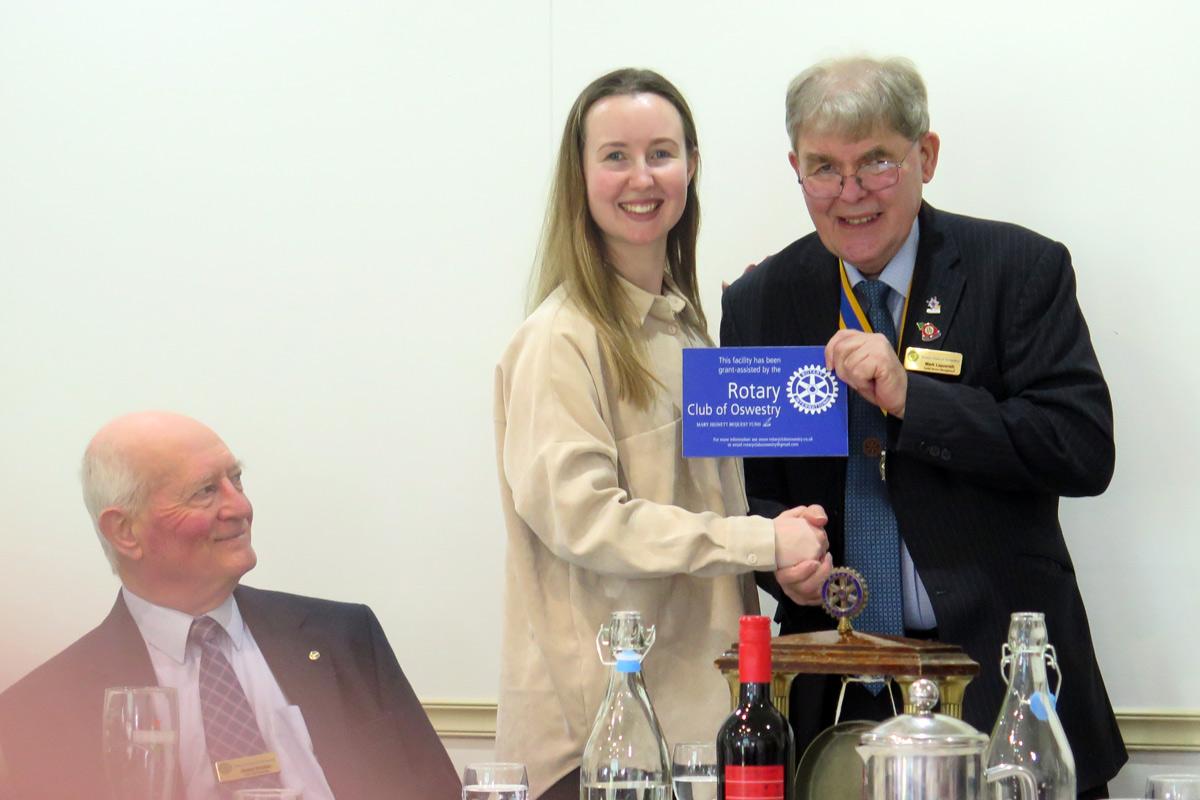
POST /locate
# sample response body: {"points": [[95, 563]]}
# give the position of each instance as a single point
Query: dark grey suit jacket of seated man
{"points": [[368, 730]]}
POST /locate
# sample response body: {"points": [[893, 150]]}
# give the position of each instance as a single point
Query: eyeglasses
{"points": [[872, 177]]}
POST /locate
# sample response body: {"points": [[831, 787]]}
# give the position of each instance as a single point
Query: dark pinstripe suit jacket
{"points": [[977, 465], [369, 732]]}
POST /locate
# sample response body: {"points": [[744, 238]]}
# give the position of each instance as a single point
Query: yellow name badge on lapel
{"points": [[937, 362], [236, 769]]}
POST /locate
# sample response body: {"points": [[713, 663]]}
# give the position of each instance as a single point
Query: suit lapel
{"points": [[303, 664], [937, 283], [127, 664]]}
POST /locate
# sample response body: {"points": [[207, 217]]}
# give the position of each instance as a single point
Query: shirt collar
{"points": [[665, 306], [899, 271], [166, 629]]}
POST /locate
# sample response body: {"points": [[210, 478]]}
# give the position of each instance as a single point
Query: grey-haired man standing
{"points": [[977, 402]]}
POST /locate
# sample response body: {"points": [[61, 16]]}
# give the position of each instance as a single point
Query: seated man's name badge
{"points": [[236, 769], [935, 362], [761, 401]]}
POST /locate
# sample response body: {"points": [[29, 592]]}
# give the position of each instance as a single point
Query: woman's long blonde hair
{"points": [[572, 253]]}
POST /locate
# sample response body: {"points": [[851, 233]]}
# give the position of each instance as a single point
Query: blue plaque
{"points": [[761, 401]]}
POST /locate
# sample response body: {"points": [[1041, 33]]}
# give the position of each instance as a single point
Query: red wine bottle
{"points": [[756, 756]]}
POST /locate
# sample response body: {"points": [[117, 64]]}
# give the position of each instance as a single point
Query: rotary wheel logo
{"points": [[812, 389], [844, 593]]}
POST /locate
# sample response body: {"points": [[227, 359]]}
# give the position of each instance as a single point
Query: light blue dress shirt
{"points": [[177, 664]]}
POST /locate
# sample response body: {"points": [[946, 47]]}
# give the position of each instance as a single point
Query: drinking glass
{"points": [[267, 794], [140, 741], [694, 770], [495, 781], [1173, 787]]}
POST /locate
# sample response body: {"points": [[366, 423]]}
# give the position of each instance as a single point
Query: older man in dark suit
{"points": [[313, 684], [977, 402]]}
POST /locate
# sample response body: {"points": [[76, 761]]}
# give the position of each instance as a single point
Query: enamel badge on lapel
{"points": [[933, 305], [929, 331], [313, 655]]}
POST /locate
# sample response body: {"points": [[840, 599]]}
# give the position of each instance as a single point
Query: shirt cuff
{"points": [[752, 542]]}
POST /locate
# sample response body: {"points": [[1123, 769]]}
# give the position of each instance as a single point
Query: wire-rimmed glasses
{"points": [[825, 183]]}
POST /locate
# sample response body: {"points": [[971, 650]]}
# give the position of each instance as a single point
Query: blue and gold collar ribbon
{"points": [[852, 315]]}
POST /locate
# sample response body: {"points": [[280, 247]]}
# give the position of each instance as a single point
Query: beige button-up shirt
{"points": [[603, 514]]}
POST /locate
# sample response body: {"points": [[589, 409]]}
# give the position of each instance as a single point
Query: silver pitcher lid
{"points": [[925, 732]]}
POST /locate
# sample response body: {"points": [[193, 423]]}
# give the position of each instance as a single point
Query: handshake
{"points": [[802, 553]]}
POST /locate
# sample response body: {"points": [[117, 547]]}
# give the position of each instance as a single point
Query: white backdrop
{"points": [[311, 225]]}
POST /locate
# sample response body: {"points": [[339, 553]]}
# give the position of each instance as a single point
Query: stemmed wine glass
{"points": [[694, 770], [140, 740], [495, 781], [1173, 787]]}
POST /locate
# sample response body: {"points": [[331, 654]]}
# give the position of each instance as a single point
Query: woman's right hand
{"points": [[800, 536]]}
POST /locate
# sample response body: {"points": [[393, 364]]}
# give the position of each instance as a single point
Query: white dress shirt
{"points": [[177, 664], [918, 612]]}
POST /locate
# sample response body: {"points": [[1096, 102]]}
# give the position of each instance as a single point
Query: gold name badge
{"points": [[938, 362], [235, 769]]}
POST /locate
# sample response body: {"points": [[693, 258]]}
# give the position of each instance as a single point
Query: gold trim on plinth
{"points": [[781, 690], [950, 693], [731, 678]]}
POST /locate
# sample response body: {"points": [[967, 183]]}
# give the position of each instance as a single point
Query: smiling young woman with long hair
{"points": [[603, 513]]}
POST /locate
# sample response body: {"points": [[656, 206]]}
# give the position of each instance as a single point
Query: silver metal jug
{"points": [[927, 756]]}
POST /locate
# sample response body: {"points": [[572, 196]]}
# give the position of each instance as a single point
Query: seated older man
{"points": [[313, 683]]}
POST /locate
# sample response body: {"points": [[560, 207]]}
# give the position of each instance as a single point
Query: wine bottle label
{"points": [[754, 783]]}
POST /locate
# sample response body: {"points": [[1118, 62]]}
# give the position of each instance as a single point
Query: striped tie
{"points": [[230, 729]]}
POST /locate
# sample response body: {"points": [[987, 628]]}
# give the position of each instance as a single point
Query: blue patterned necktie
{"points": [[230, 730], [872, 536]]}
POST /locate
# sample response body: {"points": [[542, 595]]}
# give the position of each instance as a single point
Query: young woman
{"points": [[603, 512]]}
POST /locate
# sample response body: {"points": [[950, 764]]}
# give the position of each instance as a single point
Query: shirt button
{"points": [[934, 450], [945, 454], [672, 329], [753, 559]]}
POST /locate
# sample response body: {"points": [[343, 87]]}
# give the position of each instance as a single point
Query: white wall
{"points": [[310, 225]]}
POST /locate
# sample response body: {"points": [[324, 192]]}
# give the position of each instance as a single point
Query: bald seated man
{"points": [[318, 678]]}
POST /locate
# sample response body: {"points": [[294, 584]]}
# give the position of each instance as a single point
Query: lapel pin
{"points": [[313, 655], [929, 331], [933, 306]]}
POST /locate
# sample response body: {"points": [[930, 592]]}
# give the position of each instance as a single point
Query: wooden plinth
{"points": [[853, 653]]}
